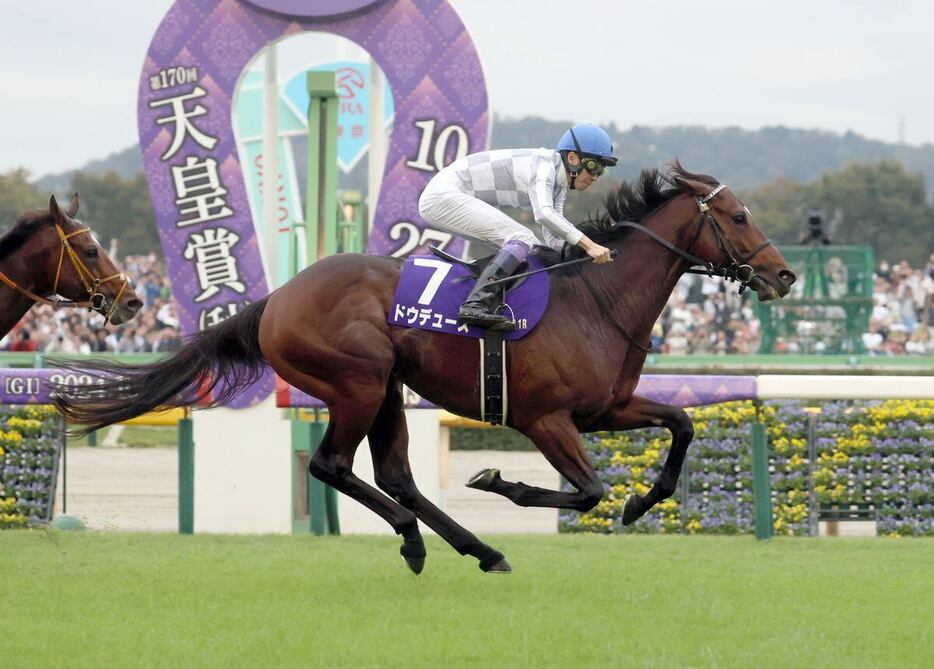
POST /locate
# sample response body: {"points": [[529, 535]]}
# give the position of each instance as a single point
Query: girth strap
{"points": [[492, 377]]}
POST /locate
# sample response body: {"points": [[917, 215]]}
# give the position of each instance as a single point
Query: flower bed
{"points": [[31, 438], [879, 454]]}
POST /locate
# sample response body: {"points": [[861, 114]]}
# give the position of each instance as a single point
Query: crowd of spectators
{"points": [[706, 316], [154, 329], [703, 316], [902, 319]]}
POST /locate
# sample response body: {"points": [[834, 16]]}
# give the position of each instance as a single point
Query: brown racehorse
{"points": [[326, 332], [50, 253]]}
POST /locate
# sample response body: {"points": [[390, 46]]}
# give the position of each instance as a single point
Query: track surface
{"points": [[120, 599]]}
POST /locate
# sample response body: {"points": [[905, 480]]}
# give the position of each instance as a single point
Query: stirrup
{"points": [[508, 324]]}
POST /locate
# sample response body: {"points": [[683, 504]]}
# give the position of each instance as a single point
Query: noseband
{"points": [[97, 301]]}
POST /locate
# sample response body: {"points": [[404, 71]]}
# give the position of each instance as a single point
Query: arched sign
{"points": [[190, 154]]}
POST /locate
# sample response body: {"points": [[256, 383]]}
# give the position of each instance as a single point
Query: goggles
{"points": [[593, 165], [596, 166]]}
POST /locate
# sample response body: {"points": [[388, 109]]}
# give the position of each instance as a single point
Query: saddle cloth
{"points": [[431, 290]]}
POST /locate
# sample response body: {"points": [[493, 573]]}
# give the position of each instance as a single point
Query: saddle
{"points": [[429, 294], [476, 267]]}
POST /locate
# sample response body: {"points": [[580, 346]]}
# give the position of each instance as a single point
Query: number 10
{"points": [[441, 145]]}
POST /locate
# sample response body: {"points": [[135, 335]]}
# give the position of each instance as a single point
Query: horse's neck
{"points": [[13, 305], [644, 274]]}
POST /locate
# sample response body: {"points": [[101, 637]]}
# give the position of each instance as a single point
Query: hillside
{"points": [[742, 158]]}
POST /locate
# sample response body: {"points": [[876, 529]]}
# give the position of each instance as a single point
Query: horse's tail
{"points": [[212, 368]]}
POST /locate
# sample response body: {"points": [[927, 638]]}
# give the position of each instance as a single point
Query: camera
{"points": [[816, 230]]}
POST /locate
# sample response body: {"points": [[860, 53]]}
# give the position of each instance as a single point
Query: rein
{"points": [[91, 283]]}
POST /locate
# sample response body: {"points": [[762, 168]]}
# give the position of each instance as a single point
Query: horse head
{"points": [[79, 268], [728, 238]]}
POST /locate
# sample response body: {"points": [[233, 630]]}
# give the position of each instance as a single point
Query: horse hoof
{"points": [[501, 567], [495, 563], [631, 512], [415, 564], [483, 480], [413, 552]]}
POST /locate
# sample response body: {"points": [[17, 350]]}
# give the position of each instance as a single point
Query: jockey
{"points": [[464, 198]]}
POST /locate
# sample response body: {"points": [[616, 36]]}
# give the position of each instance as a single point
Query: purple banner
{"points": [[195, 177], [312, 10], [692, 391], [31, 386], [679, 391]]}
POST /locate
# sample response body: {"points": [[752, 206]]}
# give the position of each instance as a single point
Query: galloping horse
{"points": [[326, 332], [33, 269]]}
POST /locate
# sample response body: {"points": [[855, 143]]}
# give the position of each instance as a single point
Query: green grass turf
{"points": [[120, 600]]}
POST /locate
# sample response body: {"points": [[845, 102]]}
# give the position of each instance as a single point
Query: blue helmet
{"points": [[587, 139]]}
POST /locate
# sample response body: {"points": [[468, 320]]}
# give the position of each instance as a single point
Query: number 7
{"points": [[441, 270]]}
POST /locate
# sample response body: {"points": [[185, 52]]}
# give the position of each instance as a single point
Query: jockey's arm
{"points": [[549, 212]]}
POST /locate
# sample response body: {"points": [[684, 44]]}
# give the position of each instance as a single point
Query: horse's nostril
{"points": [[787, 276], [135, 305]]}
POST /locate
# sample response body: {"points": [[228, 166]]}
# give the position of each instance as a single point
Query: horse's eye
{"points": [[740, 219], [91, 252]]}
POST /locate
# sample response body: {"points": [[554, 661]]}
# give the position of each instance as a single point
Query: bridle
{"points": [[97, 301], [735, 268], [738, 268]]}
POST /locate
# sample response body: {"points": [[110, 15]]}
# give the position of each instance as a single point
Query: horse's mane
{"points": [[24, 228], [635, 201]]}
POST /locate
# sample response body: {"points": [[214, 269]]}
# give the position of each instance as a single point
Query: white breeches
{"points": [[444, 205]]}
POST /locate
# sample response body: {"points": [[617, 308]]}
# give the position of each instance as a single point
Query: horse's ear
{"points": [[679, 176], [697, 187], [55, 210], [73, 206]]}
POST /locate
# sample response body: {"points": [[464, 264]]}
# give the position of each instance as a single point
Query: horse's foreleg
{"points": [[560, 442], [389, 440], [640, 412]]}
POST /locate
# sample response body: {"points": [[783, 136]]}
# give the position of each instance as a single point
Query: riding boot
{"points": [[479, 307]]}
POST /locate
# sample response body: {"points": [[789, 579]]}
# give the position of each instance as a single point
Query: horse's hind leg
{"points": [[332, 461], [389, 440], [559, 441]]}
